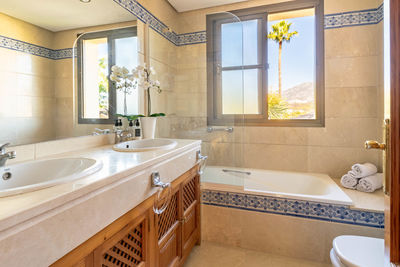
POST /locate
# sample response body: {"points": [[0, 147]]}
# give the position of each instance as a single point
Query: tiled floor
{"points": [[216, 255]]}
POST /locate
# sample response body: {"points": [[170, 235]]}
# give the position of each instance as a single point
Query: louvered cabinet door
{"points": [[168, 233], [127, 248], [191, 213]]}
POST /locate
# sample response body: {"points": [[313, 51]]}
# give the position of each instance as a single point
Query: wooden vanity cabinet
{"points": [[142, 238], [178, 227]]}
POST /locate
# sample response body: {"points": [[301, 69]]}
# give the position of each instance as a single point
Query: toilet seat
{"points": [[357, 251], [335, 260]]}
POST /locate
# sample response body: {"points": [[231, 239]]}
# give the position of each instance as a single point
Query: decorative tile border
{"points": [[293, 207], [25, 47], [21, 46], [354, 18], [332, 21]]}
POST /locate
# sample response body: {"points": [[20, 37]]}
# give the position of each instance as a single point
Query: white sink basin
{"points": [[35, 175], [144, 145]]}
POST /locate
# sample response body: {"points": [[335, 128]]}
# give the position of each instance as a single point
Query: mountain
{"points": [[302, 93]]}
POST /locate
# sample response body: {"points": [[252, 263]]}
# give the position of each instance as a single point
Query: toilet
{"points": [[357, 251]]}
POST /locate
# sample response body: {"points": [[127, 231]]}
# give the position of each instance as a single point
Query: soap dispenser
{"points": [[138, 130], [131, 128], [116, 126]]}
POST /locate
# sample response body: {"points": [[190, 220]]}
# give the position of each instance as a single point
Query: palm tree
{"points": [[280, 33]]}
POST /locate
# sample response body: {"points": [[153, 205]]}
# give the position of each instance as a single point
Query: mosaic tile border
{"points": [[293, 207], [332, 21], [37, 50], [354, 18]]}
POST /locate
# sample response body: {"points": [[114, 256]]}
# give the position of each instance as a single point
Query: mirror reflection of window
{"points": [[94, 76], [99, 100], [125, 58]]}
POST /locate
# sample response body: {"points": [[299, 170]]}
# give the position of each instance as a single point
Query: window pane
{"points": [[240, 92], [126, 56], [239, 38], [95, 81], [292, 72]]}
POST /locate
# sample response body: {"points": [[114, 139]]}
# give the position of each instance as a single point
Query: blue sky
{"points": [[298, 56], [298, 59]]}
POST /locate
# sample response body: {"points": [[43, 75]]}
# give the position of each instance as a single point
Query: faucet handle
{"points": [[3, 147]]}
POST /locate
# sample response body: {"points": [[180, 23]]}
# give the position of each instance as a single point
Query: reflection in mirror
{"points": [[98, 98], [44, 93]]}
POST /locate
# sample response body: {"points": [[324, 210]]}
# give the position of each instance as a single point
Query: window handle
{"points": [[218, 68]]}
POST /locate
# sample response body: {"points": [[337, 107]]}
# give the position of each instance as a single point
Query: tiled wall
{"points": [[26, 86], [353, 57], [353, 98]]}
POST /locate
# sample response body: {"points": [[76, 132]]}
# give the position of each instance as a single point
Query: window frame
{"points": [[111, 36], [214, 92]]}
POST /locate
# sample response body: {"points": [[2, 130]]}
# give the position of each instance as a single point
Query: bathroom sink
{"points": [[144, 145], [35, 175]]}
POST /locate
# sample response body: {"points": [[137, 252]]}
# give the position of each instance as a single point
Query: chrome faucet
{"points": [[4, 156], [98, 131], [123, 136]]}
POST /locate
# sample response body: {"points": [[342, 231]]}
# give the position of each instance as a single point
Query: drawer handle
{"points": [[156, 182], [202, 161]]}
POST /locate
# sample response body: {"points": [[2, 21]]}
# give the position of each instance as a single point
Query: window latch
{"points": [[218, 68]]}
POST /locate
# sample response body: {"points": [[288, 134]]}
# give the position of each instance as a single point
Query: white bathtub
{"points": [[294, 185]]}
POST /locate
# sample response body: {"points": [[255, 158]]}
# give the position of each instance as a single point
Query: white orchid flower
{"points": [[124, 71]]}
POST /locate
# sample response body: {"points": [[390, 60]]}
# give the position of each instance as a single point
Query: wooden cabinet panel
{"points": [[126, 248], [191, 213], [169, 232]]}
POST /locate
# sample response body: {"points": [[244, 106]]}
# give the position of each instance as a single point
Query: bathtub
{"points": [[293, 185]]}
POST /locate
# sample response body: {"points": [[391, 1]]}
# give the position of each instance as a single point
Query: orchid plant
{"points": [[139, 78], [124, 82], [143, 76]]}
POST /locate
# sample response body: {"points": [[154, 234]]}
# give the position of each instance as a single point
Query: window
{"points": [[267, 69], [99, 101]]}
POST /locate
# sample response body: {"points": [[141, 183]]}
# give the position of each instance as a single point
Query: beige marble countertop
{"points": [[365, 201], [25, 207]]}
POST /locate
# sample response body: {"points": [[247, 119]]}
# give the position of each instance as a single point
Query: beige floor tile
{"points": [[215, 255]]}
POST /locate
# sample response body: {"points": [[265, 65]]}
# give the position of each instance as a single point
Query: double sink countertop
{"points": [[24, 209]]}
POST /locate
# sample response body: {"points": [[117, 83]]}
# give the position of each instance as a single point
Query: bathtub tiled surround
{"points": [[280, 235], [294, 207], [84, 207]]}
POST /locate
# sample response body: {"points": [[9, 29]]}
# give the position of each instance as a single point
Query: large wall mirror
{"points": [[55, 63]]}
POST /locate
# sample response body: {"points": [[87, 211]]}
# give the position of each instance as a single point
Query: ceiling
{"points": [[186, 5], [59, 15]]}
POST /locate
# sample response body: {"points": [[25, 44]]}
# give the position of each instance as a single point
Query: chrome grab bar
{"points": [[202, 161], [212, 129], [235, 171], [156, 182]]}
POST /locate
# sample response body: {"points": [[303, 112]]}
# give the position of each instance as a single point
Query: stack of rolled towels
{"points": [[363, 177]]}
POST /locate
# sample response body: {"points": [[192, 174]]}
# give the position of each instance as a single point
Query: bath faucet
{"points": [[4, 156]]}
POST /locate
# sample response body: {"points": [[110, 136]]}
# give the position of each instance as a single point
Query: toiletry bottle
{"points": [[131, 129], [138, 130], [116, 126]]}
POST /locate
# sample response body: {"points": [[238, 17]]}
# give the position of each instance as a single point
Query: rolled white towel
{"points": [[363, 170], [371, 183], [349, 181]]}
